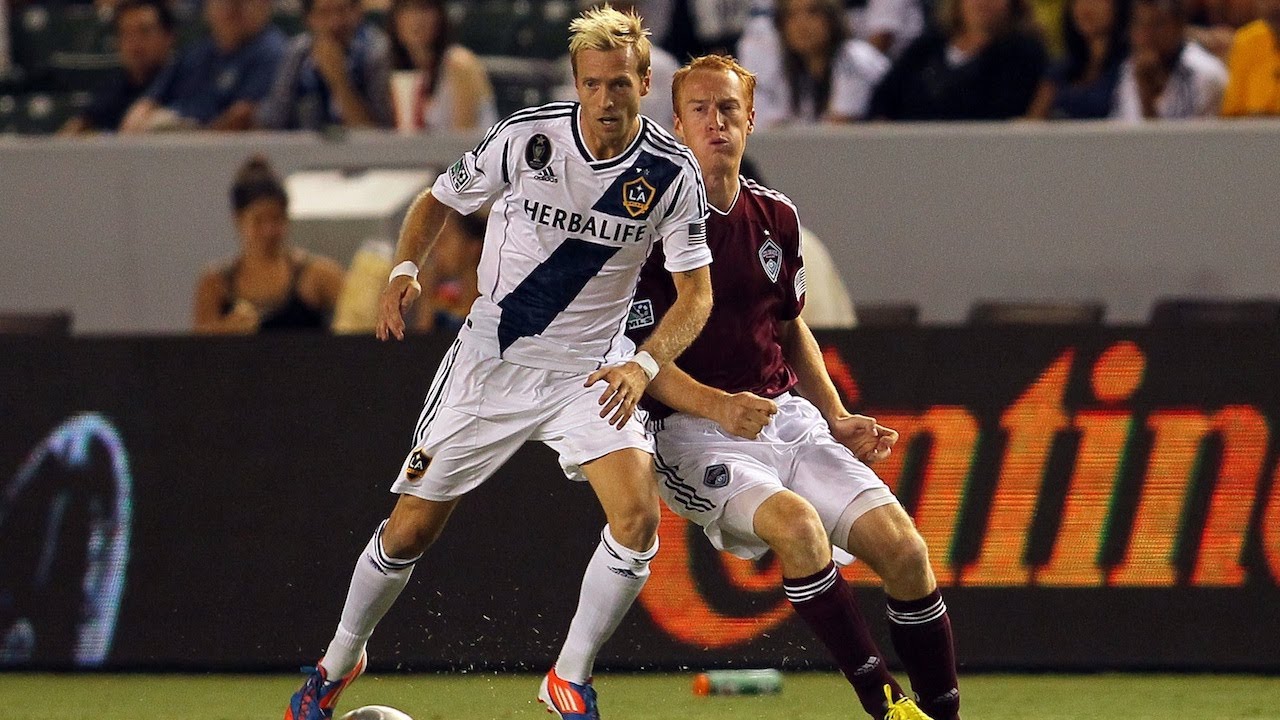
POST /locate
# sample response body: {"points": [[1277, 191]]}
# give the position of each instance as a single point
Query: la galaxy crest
{"points": [[417, 465], [637, 196], [537, 152], [771, 258]]}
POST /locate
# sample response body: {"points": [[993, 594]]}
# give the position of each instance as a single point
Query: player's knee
{"points": [[908, 562], [792, 529], [404, 539], [413, 526], [636, 525]]}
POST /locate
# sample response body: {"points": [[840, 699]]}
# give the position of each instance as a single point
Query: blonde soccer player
{"points": [[582, 192]]}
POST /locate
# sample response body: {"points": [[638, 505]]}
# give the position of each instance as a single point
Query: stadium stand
{"points": [[888, 315], [1183, 312], [1015, 312], [57, 322]]}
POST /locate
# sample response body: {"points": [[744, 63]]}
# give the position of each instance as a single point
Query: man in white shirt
{"points": [[583, 193], [1166, 75]]}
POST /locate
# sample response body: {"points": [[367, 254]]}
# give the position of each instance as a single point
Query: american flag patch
{"points": [[800, 283], [698, 232]]}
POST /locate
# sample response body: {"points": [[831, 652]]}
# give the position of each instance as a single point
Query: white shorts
{"points": [[701, 468], [481, 409]]}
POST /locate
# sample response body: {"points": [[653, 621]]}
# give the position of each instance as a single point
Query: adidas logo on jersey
{"points": [[624, 573], [546, 174]]}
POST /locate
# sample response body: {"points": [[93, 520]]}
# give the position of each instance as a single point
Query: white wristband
{"points": [[408, 268], [646, 363]]}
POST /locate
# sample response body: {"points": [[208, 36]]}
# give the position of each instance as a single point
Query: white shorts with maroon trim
{"points": [[481, 409], [701, 468]]}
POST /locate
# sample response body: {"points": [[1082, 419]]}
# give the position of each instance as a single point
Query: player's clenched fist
{"points": [[396, 298], [870, 441], [627, 383], [745, 414]]}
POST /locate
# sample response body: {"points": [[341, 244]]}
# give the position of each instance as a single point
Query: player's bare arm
{"points": [[677, 330], [869, 440], [743, 414], [422, 225]]}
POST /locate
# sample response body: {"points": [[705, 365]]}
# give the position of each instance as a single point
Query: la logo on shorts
{"points": [[717, 476], [417, 466]]}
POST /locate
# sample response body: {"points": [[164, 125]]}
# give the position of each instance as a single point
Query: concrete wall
{"points": [[116, 229]]}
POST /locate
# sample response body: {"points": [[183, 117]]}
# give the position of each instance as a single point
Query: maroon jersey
{"points": [[757, 280]]}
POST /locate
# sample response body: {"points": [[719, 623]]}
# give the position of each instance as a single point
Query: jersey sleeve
{"points": [[789, 230], [683, 228], [478, 175]]}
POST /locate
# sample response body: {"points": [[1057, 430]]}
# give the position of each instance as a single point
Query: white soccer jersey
{"points": [[568, 234]]}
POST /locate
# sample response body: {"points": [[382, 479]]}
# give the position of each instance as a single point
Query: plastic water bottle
{"points": [[738, 682]]}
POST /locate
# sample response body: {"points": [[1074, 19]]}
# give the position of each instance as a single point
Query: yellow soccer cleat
{"points": [[904, 709]]}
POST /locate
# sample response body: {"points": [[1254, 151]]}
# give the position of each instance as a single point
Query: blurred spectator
{"points": [[218, 82], [450, 282], [145, 33], [1082, 85], [1213, 23], [657, 104], [891, 25], [269, 285], [814, 71], [1167, 76], [985, 64], [689, 28], [338, 72], [1253, 82], [439, 85]]}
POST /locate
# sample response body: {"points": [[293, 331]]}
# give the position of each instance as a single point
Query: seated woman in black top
{"points": [[269, 285], [1082, 86], [985, 64]]}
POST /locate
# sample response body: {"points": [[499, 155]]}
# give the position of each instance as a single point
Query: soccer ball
{"points": [[375, 712]]}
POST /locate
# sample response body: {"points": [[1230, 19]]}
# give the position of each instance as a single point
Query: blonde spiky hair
{"points": [[604, 28]]}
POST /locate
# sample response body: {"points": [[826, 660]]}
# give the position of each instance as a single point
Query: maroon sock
{"points": [[921, 632], [827, 605]]}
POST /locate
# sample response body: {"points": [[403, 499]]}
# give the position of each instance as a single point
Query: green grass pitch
{"points": [[480, 696]]}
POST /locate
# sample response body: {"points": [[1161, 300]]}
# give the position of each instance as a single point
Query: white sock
{"points": [[615, 575], [375, 585]]}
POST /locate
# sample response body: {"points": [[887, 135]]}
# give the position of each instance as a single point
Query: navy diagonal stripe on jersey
{"points": [[659, 172], [686, 494], [547, 291], [662, 141], [436, 393]]}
